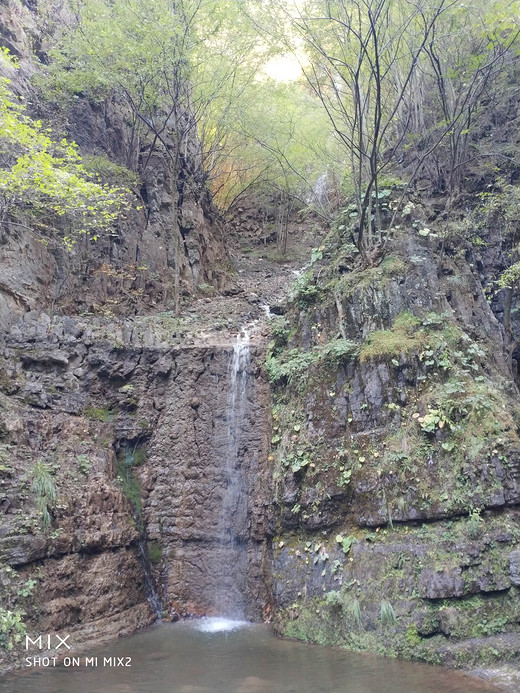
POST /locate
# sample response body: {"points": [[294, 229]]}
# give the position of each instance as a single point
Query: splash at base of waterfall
{"points": [[219, 625]]}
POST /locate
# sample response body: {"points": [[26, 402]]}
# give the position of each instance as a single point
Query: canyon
{"points": [[329, 445]]}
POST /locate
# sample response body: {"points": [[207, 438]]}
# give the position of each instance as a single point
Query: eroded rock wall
{"points": [[187, 477], [135, 436], [396, 460]]}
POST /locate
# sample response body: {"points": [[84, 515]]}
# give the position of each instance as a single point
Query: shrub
{"points": [[12, 628], [404, 336]]}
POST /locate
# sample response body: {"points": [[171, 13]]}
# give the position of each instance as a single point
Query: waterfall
{"points": [[319, 194], [151, 592], [231, 554]]}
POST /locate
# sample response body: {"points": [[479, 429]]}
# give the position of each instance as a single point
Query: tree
{"points": [[43, 181], [363, 58], [278, 137], [163, 59], [462, 91], [403, 85]]}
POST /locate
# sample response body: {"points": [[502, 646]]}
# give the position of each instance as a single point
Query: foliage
{"points": [[292, 366], [346, 542], [12, 628], [500, 208], [334, 599], [474, 524], [361, 74], [300, 462], [43, 181], [101, 169], [84, 464], [353, 609], [125, 464], [44, 486], [283, 144], [387, 614], [190, 68], [304, 291], [99, 414], [402, 338], [407, 88], [154, 552]]}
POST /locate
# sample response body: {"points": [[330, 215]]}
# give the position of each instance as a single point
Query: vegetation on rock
{"points": [[392, 477]]}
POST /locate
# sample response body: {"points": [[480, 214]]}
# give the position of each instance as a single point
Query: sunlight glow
{"points": [[284, 68]]}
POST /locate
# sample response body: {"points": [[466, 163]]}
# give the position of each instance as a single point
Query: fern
{"points": [[353, 609]]}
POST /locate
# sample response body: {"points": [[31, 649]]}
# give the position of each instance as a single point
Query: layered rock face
{"points": [[205, 485], [396, 456], [133, 268], [143, 442]]}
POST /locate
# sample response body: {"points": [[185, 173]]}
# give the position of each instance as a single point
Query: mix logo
{"points": [[47, 642]]}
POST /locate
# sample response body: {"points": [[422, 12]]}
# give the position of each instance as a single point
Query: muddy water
{"points": [[217, 656]]}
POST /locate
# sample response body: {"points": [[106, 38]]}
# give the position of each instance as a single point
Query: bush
{"points": [[404, 336], [12, 628]]}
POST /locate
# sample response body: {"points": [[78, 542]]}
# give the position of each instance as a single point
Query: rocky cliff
{"points": [[135, 434], [82, 398], [395, 455], [133, 268]]}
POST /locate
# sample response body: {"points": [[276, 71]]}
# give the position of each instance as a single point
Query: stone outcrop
{"points": [[395, 459], [132, 269]]}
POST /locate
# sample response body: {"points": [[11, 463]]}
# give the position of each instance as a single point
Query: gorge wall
{"points": [[132, 269], [125, 420], [395, 458], [378, 475]]}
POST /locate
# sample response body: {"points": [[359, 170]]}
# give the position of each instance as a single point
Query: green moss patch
{"points": [[404, 337]]}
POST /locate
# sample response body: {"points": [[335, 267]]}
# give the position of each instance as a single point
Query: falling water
{"points": [[151, 592], [231, 555], [319, 194]]}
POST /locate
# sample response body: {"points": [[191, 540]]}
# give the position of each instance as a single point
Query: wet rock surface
{"points": [[395, 520], [132, 418]]}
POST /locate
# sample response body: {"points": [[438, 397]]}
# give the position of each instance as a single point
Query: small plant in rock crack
{"points": [[84, 464], [474, 525], [12, 628], [44, 486], [346, 542], [387, 614], [353, 610], [345, 476], [334, 600]]}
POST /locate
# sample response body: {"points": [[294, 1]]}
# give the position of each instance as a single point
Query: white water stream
{"points": [[231, 554]]}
